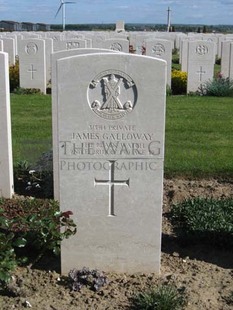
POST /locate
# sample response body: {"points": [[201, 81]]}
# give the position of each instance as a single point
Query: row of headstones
{"points": [[108, 148], [35, 67], [197, 58], [96, 39], [34, 56], [108, 154]]}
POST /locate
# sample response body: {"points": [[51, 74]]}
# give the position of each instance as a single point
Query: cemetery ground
{"points": [[198, 163]]}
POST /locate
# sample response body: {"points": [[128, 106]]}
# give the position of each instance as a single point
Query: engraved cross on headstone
{"points": [[200, 74], [111, 182], [32, 71]]}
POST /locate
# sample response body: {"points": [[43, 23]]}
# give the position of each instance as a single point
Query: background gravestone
{"points": [[162, 49], [9, 47], [225, 58], [119, 45], [111, 122], [32, 64], [6, 166], [201, 55]]}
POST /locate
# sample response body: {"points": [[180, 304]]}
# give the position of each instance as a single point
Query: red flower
{"points": [[67, 214]]}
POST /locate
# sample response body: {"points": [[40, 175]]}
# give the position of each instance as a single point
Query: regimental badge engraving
{"points": [[31, 48], [112, 94], [116, 47], [158, 49], [201, 49]]}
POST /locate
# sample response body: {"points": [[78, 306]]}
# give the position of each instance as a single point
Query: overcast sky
{"points": [[203, 12]]}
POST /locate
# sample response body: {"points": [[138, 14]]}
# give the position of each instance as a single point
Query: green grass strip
{"points": [[199, 136], [199, 133]]}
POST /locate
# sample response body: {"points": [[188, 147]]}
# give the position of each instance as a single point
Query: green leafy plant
{"points": [[175, 56], [218, 87], [164, 297], [14, 76], [204, 220], [8, 242], [29, 228], [218, 61], [179, 82], [26, 91], [37, 181]]}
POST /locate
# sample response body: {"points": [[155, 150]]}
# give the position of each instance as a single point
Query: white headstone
{"points": [[69, 44], [120, 26], [201, 55], [161, 49], [56, 56], [98, 39], [231, 62], [184, 55], [6, 165], [225, 58], [32, 64], [48, 52], [9, 47], [111, 132], [119, 45]]}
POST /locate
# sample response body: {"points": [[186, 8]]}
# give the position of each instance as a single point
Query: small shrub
{"points": [[29, 228], [36, 181], [218, 61], [204, 220], [26, 91], [175, 57], [14, 76], [8, 261], [164, 297], [168, 91], [218, 87], [179, 82]]}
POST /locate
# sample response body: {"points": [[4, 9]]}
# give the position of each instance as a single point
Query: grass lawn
{"points": [[199, 133], [199, 136], [31, 126]]}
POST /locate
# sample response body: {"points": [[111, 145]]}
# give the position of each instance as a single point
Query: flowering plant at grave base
{"points": [[94, 279], [178, 82], [219, 86], [30, 228], [36, 182]]}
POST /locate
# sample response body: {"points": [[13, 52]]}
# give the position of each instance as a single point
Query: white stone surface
{"points": [[201, 55], [225, 58], [69, 44], [48, 52], [32, 64], [119, 45], [120, 26], [231, 62], [56, 56], [6, 166], [9, 48], [111, 120], [161, 49], [184, 55]]}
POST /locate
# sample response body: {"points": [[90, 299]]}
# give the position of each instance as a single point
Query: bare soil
{"points": [[206, 274]]}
